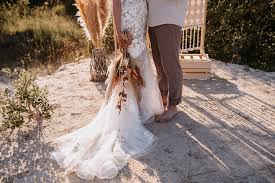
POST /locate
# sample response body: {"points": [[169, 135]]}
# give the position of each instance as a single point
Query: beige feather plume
{"points": [[93, 17]]}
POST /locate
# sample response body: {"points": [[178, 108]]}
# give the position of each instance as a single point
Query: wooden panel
{"points": [[201, 76], [195, 64], [196, 70], [184, 56], [197, 58], [187, 57]]}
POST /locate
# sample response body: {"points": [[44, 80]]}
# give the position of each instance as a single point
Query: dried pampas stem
{"points": [[104, 13], [93, 16], [122, 72]]}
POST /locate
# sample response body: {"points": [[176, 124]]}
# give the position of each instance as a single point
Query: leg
{"points": [[162, 79], [168, 37]]}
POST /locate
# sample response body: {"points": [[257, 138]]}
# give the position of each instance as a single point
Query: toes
{"points": [[160, 119], [163, 118], [157, 117], [166, 116]]}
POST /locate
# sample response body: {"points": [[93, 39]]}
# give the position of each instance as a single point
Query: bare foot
{"points": [[167, 115], [165, 103]]}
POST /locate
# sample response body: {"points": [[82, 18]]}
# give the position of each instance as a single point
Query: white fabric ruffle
{"points": [[103, 147]]}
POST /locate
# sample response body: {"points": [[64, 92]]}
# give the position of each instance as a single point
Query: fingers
{"points": [[130, 37], [125, 40], [125, 43], [122, 44], [158, 118]]}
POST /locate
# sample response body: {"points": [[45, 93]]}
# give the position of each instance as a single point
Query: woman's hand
{"points": [[124, 40]]}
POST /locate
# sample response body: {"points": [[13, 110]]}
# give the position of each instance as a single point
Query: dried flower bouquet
{"points": [[124, 71]]}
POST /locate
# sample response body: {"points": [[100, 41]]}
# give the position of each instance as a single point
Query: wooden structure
{"points": [[194, 65]]}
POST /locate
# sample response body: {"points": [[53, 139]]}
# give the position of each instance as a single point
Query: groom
{"points": [[165, 21]]}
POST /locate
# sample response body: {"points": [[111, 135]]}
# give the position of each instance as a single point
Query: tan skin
{"points": [[169, 113], [124, 41]]}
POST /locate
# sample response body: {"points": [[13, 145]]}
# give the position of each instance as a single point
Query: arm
{"points": [[123, 41], [117, 16]]}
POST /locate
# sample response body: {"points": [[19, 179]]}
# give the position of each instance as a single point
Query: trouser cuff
{"points": [[174, 102]]}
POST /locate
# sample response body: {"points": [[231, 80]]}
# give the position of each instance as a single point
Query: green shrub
{"points": [[28, 102], [108, 39], [31, 2], [242, 32], [39, 35]]}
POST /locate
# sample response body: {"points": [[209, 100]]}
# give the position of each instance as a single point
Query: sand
{"points": [[225, 131]]}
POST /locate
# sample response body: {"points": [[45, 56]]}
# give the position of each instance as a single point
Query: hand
{"points": [[124, 40]]}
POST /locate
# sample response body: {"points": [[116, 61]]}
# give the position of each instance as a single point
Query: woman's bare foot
{"points": [[167, 115]]}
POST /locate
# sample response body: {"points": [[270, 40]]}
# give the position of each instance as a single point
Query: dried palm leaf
{"points": [[104, 12], [124, 71], [112, 79], [92, 17]]}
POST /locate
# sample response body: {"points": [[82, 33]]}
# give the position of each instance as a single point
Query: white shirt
{"points": [[166, 12]]}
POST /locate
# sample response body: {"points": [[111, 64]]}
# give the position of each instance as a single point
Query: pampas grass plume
{"points": [[93, 17]]}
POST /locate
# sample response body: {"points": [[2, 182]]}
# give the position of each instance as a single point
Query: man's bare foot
{"points": [[165, 103], [168, 114]]}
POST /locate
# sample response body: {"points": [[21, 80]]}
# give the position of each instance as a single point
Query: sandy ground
{"points": [[225, 131]]}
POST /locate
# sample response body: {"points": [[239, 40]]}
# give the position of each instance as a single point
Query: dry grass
{"points": [[41, 38]]}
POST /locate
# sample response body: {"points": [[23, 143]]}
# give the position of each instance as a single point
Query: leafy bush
{"points": [[27, 102], [242, 32], [108, 39], [31, 36]]}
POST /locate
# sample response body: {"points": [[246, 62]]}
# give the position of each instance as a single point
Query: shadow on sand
{"points": [[25, 157], [221, 134]]}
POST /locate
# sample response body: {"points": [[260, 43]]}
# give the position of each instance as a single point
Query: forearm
{"points": [[117, 15]]}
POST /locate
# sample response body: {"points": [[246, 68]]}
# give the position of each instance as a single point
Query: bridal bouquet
{"points": [[124, 71]]}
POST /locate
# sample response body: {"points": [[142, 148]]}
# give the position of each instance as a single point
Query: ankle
{"points": [[164, 100], [172, 107]]}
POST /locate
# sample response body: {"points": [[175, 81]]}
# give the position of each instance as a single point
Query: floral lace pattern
{"points": [[103, 146], [133, 19]]}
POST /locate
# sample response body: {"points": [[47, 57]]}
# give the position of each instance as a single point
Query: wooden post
{"points": [[203, 31]]}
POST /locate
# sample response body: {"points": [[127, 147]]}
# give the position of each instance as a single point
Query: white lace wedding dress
{"points": [[103, 147]]}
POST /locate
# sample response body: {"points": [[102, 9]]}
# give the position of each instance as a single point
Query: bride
{"points": [[103, 147]]}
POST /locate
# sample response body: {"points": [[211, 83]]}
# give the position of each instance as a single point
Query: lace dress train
{"points": [[103, 147]]}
